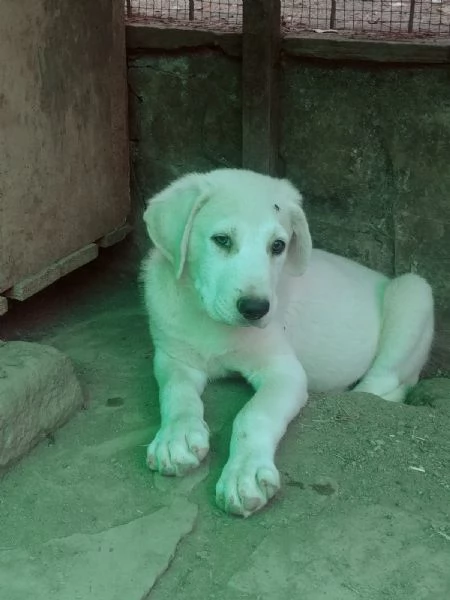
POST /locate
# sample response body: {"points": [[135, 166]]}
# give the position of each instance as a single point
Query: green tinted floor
{"points": [[364, 512]]}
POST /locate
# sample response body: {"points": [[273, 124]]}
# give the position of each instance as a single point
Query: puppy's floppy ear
{"points": [[300, 246], [170, 214]]}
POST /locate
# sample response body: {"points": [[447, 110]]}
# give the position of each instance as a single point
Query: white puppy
{"points": [[233, 285]]}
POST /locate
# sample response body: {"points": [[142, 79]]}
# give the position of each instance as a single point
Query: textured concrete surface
{"points": [[194, 124], [39, 391], [363, 512], [370, 164], [121, 562]]}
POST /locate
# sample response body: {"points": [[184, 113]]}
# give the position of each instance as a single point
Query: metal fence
{"points": [[219, 14], [413, 17], [394, 18]]}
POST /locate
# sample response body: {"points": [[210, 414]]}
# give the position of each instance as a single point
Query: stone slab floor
{"points": [[363, 514]]}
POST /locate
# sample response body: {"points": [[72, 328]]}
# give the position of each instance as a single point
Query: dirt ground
{"points": [[364, 513], [395, 18]]}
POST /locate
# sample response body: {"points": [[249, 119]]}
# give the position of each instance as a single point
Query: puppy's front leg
{"points": [[250, 477], [183, 439]]}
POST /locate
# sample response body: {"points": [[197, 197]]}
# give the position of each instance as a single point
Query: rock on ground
{"points": [[38, 392]]}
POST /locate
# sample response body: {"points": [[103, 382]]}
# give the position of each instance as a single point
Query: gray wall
{"points": [[369, 147], [185, 114]]}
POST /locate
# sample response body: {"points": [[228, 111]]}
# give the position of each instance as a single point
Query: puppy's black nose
{"points": [[253, 308]]}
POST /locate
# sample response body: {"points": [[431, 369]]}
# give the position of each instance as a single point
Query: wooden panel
{"points": [[260, 55], [63, 148], [114, 237], [38, 281], [3, 305]]}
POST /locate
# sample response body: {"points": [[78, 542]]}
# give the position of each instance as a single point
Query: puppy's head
{"points": [[231, 232]]}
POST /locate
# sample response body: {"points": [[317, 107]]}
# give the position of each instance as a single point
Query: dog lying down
{"points": [[232, 285]]}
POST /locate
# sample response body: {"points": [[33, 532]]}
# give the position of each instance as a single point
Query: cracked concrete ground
{"points": [[364, 512]]}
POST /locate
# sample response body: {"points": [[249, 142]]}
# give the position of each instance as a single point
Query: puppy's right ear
{"points": [[300, 248], [170, 214]]}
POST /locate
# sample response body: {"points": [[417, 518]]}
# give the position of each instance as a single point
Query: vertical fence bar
{"points": [[191, 10], [333, 14], [412, 10], [260, 88], [129, 9]]}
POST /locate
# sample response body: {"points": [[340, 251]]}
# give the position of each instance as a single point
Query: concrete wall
{"points": [[368, 146], [63, 140], [185, 114]]}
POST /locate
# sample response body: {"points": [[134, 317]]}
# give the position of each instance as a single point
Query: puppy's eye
{"points": [[278, 247], [222, 240]]}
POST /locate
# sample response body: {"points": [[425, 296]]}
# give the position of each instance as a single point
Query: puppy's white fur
{"points": [[331, 323]]}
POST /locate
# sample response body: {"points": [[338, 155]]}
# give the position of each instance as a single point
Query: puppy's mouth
{"points": [[259, 323]]}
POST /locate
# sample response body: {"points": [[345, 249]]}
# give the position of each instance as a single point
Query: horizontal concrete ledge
{"points": [[335, 47], [145, 37], [142, 37]]}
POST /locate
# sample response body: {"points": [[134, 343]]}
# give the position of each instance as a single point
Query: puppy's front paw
{"points": [[179, 447], [247, 483]]}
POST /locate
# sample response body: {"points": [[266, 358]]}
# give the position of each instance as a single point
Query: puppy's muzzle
{"points": [[252, 308]]}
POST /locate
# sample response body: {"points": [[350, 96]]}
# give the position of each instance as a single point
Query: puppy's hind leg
{"points": [[405, 339]]}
